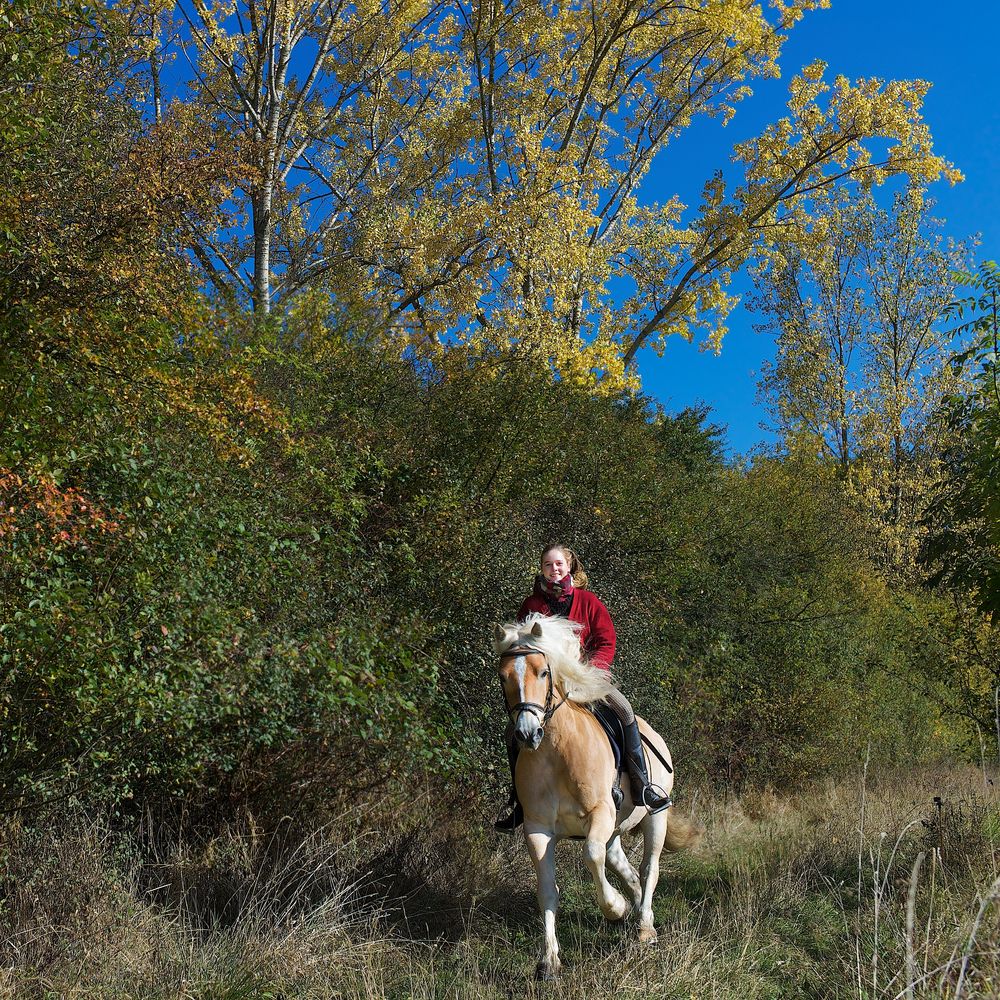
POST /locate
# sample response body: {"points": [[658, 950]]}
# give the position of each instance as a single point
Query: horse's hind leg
{"points": [[542, 848], [654, 832], [619, 863], [612, 903]]}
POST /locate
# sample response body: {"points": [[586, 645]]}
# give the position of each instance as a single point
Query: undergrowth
{"points": [[878, 887]]}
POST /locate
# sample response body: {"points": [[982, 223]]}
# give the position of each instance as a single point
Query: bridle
{"points": [[544, 712]]}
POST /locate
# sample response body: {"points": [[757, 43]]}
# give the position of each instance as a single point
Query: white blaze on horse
{"points": [[565, 780]]}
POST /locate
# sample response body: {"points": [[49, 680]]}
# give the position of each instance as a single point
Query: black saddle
{"points": [[615, 733], [612, 727]]}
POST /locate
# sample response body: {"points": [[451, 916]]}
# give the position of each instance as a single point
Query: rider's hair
{"points": [[576, 569]]}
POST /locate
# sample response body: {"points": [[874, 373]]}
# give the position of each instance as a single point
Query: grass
{"points": [[867, 888]]}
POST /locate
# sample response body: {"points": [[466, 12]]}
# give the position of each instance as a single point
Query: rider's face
{"points": [[555, 565]]}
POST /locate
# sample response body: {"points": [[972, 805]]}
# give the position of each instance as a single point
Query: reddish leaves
{"points": [[63, 515]]}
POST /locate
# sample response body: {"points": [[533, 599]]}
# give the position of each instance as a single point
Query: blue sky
{"points": [[953, 48]]}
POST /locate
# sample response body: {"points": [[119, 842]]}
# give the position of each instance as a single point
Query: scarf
{"points": [[559, 594]]}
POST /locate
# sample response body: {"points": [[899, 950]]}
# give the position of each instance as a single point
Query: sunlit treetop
{"points": [[468, 174]]}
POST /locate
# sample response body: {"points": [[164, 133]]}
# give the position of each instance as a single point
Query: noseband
{"points": [[544, 712]]}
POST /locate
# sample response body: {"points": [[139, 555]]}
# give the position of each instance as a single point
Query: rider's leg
{"points": [[515, 815], [643, 793]]}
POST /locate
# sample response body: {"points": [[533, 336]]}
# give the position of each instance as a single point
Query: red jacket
{"points": [[598, 634]]}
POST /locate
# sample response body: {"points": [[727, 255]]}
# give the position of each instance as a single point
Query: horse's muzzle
{"points": [[529, 741]]}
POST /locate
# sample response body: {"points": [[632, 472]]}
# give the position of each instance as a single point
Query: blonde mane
{"points": [[559, 642]]}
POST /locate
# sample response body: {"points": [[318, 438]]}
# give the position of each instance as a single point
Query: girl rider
{"points": [[560, 590]]}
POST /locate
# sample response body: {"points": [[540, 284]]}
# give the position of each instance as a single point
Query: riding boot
{"points": [[515, 815], [643, 792]]}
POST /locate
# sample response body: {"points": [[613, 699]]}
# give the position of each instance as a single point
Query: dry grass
{"points": [[865, 888]]}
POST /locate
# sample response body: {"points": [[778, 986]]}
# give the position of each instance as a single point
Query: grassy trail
{"points": [[874, 888]]}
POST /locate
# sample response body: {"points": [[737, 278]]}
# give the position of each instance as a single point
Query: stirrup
{"points": [[511, 821], [654, 799]]}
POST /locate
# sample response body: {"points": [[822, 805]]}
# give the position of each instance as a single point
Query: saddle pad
{"points": [[612, 728]]}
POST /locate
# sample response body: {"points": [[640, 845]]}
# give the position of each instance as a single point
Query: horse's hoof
{"points": [[545, 972], [647, 935]]}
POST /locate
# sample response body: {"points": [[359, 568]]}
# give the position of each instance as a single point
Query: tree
{"points": [[470, 174], [812, 295], [963, 547], [862, 350], [96, 292]]}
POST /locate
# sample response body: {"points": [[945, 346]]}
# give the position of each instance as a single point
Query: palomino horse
{"points": [[565, 773]]}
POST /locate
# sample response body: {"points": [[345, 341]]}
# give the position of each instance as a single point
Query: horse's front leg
{"points": [[602, 826], [618, 860], [542, 848]]}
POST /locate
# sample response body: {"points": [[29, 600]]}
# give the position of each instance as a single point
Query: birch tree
{"points": [[470, 172], [352, 125], [858, 306]]}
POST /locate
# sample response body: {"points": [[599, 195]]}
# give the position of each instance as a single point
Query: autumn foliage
{"points": [[298, 371], [58, 515]]}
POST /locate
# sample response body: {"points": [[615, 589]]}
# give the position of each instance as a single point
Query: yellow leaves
{"points": [[856, 295], [743, 23], [790, 13], [714, 193], [830, 125], [473, 176], [806, 88]]}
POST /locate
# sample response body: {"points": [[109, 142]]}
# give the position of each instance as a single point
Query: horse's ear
{"points": [[536, 630], [502, 637]]}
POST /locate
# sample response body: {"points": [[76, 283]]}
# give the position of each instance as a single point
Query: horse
{"points": [[565, 773]]}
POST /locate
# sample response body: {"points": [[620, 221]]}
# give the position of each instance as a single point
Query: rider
{"points": [[560, 589]]}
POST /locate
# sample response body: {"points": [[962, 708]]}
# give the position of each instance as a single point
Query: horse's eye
{"points": [[544, 673]]}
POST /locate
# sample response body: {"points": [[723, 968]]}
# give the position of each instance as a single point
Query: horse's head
{"points": [[526, 681]]}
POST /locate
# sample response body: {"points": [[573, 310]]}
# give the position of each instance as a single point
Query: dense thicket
{"points": [[262, 561], [278, 611]]}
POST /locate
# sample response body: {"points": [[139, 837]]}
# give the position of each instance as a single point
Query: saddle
{"points": [[615, 733]]}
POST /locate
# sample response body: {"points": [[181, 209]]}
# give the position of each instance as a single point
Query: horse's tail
{"points": [[681, 833]]}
